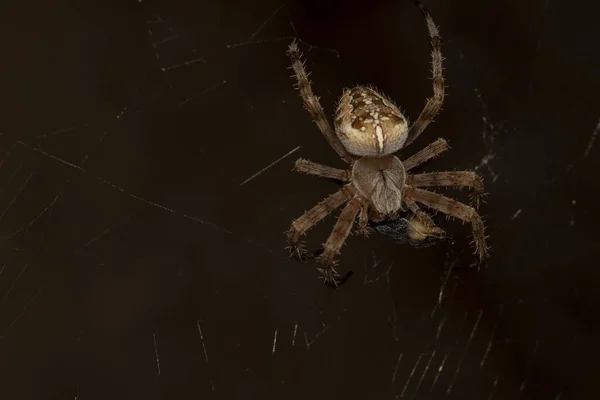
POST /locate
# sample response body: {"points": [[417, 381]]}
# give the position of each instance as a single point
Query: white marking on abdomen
{"points": [[379, 133]]}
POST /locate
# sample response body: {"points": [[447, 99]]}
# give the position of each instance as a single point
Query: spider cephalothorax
{"points": [[369, 131], [381, 180]]}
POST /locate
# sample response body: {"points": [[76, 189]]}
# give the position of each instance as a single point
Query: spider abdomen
{"points": [[368, 124]]}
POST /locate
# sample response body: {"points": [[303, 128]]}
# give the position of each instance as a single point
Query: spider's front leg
{"points": [[334, 242], [311, 218], [455, 209], [459, 179]]}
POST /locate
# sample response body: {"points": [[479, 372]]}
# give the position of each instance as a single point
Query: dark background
{"points": [[142, 258]]}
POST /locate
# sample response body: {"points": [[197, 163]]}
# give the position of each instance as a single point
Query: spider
{"points": [[369, 131]]}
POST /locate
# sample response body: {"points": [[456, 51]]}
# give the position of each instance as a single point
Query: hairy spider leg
{"points": [[422, 225], [456, 209], [434, 104], [363, 220], [450, 178], [334, 242], [312, 217], [311, 103], [431, 151], [320, 170]]}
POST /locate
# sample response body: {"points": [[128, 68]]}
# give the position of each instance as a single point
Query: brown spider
{"points": [[369, 130]]}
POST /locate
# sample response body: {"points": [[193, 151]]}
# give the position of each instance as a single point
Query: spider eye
{"points": [[368, 124]]}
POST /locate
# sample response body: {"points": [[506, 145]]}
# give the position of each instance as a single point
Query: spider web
{"points": [[144, 194]]}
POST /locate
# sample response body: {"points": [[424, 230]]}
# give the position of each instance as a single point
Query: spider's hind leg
{"points": [[434, 104], [431, 151], [311, 103]]}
